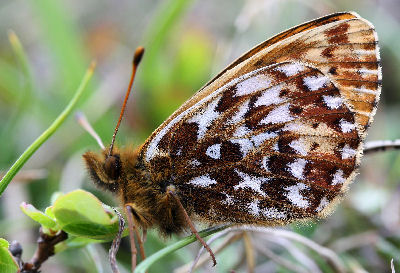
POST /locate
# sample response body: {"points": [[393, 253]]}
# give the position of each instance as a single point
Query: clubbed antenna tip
{"points": [[137, 57]]}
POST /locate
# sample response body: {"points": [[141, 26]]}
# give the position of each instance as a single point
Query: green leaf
{"points": [[4, 243], [49, 212], [80, 213], [7, 262], [38, 216]]}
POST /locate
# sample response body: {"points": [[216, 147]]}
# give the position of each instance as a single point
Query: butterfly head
{"points": [[105, 169]]}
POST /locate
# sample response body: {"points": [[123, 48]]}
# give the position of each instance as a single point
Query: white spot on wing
{"points": [[346, 126], [239, 115], [333, 102], [324, 202], [315, 82], [296, 167], [205, 118], [265, 162], [295, 197], [293, 126], [229, 200], [202, 181], [270, 96], [241, 131], [275, 147], [273, 213], [338, 177], [363, 52], [278, 115], [252, 85], [214, 151], [152, 148], [290, 69], [251, 182], [365, 90], [348, 152], [253, 208], [299, 146], [261, 138], [365, 72]]}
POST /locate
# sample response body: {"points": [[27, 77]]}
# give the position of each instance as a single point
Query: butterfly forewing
{"points": [[278, 135]]}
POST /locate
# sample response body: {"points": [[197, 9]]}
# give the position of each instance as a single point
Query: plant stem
{"points": [[47, 133]]}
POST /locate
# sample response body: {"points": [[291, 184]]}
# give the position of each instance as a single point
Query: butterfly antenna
{"points": [[136, 60], [82, 120]]}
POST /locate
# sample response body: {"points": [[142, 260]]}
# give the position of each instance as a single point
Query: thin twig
{"points": [[381, 145], [116, 242], [328, 254], [279, 260], [201, 259], [45, 249], [299, 255], [348, 243], [250, 255]]}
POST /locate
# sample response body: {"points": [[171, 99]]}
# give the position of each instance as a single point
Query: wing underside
{"points": [[278, 135]]}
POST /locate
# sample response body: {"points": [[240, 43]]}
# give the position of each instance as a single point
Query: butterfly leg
{"points": [[171, 191], [131, 236], [133, 231]]}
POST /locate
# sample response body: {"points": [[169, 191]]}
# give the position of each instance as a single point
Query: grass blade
{"points": [[47, 133]]}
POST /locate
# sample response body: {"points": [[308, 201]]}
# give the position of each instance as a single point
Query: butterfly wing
{"points": [[342, 45], [282, 135]]}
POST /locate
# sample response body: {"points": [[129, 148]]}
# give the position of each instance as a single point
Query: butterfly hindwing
{"points": [[258, 143], [276, 136]]}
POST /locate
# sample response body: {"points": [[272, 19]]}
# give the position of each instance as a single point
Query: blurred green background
{"points": [[187, 42]]}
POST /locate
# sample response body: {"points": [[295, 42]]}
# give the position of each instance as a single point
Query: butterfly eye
{"points": [[112, 167]]}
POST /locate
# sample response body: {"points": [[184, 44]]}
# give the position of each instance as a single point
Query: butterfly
{"points": [[276, 137]]}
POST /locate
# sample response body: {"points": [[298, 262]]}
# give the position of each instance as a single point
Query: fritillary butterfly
{"points": [[275, 137]]}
